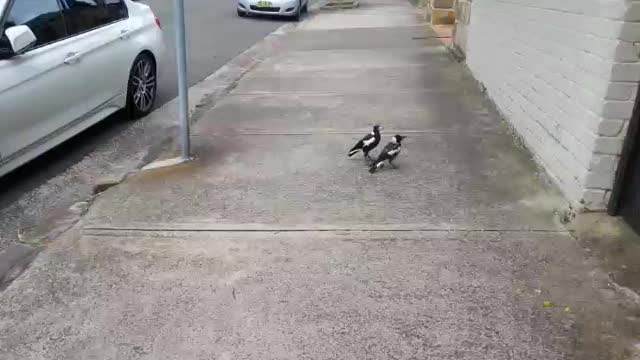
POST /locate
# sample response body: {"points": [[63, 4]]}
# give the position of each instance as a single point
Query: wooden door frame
{"points": [[630, 150]]}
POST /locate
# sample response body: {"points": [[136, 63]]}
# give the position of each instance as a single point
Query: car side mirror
{"points": [[21, 38]]}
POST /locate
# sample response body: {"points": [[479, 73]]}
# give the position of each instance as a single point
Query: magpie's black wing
{"points": [[388, 151], [393, 150], [364, 141]]}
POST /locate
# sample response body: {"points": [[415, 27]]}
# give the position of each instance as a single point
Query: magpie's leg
{"points": [[392, 164]]}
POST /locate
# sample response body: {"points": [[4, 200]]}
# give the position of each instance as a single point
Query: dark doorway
{"points": [[625, 196]]}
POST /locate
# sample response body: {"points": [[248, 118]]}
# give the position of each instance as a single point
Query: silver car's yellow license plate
{"points": [[264, 4]]}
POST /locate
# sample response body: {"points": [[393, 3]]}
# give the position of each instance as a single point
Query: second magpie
{"points": [[389, 153]]}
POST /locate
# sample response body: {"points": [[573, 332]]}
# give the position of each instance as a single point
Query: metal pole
{"points": [[183, 88]]}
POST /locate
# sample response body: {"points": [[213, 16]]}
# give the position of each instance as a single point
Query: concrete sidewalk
{"points": [[273, 244]]}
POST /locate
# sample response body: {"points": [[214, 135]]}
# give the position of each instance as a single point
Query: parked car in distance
{"points": [[288, 8], [67, 64]]}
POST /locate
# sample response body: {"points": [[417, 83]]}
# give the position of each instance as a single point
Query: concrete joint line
{"points": [[269, 73], [108, 231], [417, 48], [336, 133], [333, 93]]}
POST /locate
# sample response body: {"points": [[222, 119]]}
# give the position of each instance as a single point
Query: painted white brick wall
{"points": [[565, 74]]}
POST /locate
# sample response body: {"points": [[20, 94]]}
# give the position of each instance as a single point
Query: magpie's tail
{"points": [[353, 151]]}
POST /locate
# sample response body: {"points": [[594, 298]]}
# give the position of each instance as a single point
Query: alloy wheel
{"points": [[143, 83]]}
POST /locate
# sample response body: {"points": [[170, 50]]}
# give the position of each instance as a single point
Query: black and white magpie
{"points": [[390, 151], [367, 143]]}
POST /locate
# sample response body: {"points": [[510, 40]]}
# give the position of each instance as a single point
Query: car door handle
{"points": [[124, 34], [72, 58]]}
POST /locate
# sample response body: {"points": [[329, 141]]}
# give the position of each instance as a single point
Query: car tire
{"points": [[142, 86], [242, 13], [298, 13]]}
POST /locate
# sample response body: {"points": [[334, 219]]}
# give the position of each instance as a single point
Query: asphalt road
{"points": [[34, 194]]}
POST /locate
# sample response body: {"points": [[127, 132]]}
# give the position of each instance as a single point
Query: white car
{"points": [[67, 64], [289, 8]]}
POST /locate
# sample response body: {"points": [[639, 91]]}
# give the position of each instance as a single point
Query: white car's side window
{"points": [[85, 15], [43, 17], [51, 23]]}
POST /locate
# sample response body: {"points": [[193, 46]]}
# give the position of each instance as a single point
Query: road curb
{"points": [[206, 93], [14, 261], [219, 83]]}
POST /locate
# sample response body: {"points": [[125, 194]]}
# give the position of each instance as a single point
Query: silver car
{"points": [[289, 8]]}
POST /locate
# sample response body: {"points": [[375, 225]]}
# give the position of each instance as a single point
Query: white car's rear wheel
{"points": [[142, 87]]}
